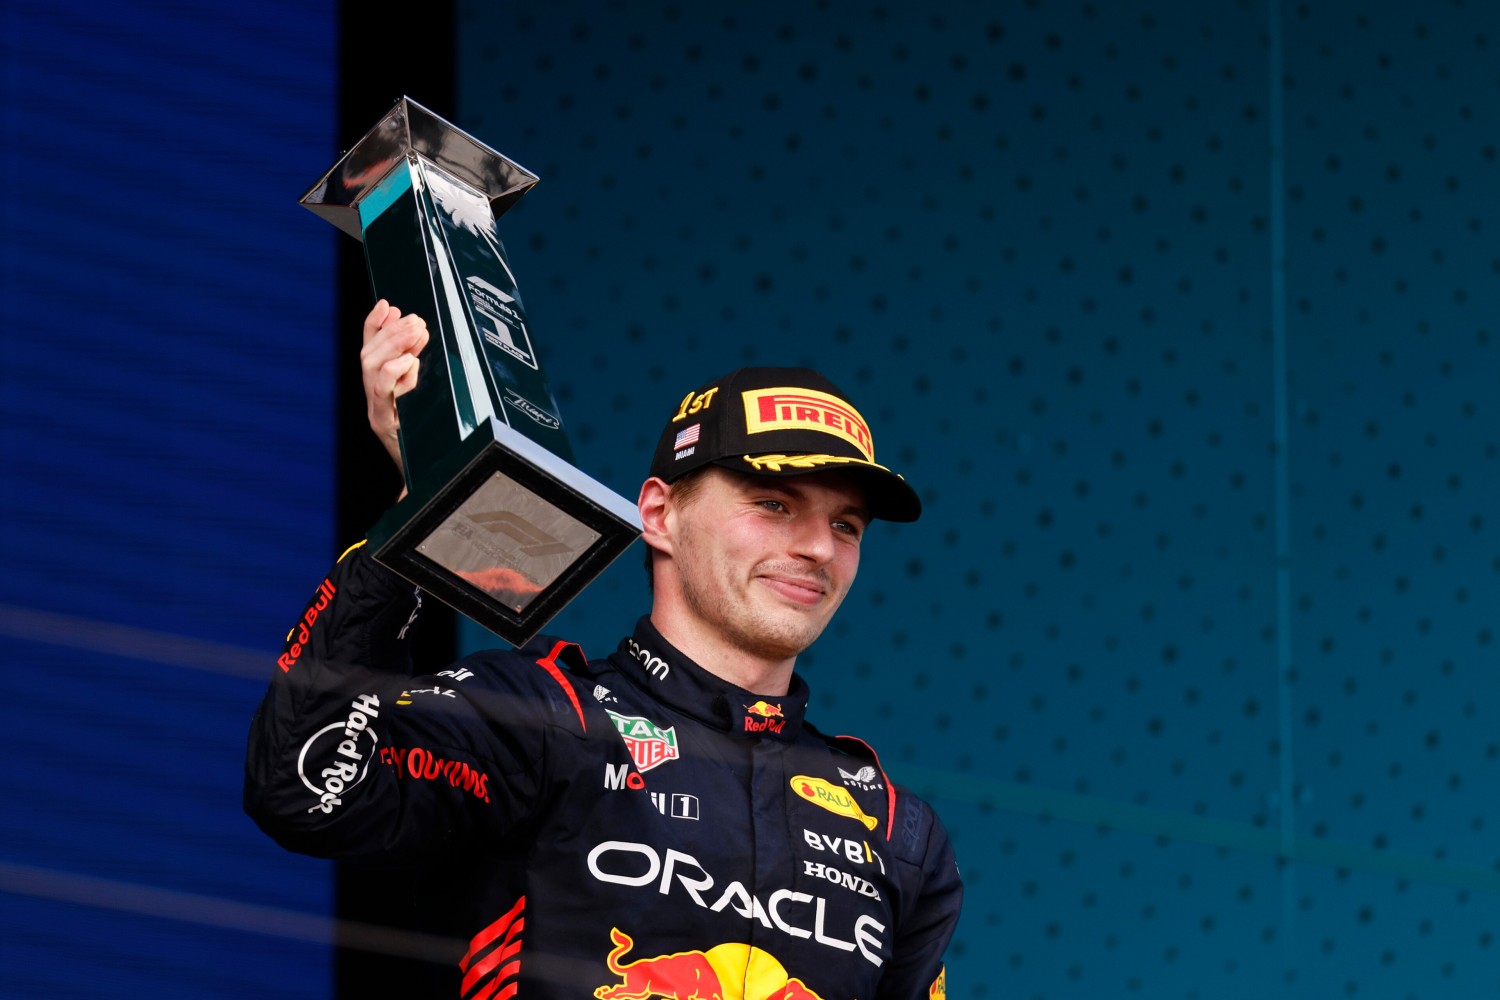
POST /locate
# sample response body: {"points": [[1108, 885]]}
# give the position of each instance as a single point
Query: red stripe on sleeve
{"points": [[549, 664], [890, 789]]}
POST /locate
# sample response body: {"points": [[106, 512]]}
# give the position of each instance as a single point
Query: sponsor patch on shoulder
{"points": [[827, 795], [650, 745]]}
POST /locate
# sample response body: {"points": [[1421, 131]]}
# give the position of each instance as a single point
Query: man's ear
{"points": [[655, 507]]}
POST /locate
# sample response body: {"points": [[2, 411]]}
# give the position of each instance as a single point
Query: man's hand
{"points": [[389, 363]]}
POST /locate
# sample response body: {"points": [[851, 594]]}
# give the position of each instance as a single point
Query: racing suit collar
{"points": [[671, 677]]}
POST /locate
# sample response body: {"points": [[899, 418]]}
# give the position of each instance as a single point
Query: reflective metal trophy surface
{"points": [[497, 522]]}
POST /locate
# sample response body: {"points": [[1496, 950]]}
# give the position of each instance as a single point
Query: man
{"points": [[661, 822]]}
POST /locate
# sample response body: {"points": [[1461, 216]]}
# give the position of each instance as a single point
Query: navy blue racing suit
{"points": [[624, 828]]}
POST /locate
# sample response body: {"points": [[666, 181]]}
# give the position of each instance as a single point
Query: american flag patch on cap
{"points": [[687, 437]]}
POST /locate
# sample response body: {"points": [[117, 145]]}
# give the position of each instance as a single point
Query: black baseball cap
{"points": [[779, 422]]}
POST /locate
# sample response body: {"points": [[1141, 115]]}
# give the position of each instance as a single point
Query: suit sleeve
{"points": [[935, 894], [352, 757]]}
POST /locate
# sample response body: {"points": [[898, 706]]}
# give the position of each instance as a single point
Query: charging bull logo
{"points": [[767, 717], [731, 971]]}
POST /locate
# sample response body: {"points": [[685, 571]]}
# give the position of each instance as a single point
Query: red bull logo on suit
{"points": [[763, 716], [730, 971]]}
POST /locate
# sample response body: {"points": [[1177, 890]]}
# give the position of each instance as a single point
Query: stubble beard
{"points": [[771, 633]]}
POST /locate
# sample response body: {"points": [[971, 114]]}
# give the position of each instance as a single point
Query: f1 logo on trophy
{"points": [[497, 522]]}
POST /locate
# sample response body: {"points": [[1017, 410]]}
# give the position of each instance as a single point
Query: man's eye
{"points": [[776, 505], [846, 527]]}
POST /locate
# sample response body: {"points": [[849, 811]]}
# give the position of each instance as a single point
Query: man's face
{"points": [[765, 561]]}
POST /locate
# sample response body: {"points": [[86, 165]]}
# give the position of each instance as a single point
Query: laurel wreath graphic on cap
{"points": [[774, 463]]}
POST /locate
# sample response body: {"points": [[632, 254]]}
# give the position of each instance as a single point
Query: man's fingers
{"points": [[391, 357], [417, 332], [395, 378], [403, 372], [388, 363], [381, 314], [406, 335]]}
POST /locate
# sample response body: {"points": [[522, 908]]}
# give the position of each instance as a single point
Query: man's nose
{"points": [[813, 540]]}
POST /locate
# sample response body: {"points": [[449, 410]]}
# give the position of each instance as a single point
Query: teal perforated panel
{"points": [[1179, 319]]}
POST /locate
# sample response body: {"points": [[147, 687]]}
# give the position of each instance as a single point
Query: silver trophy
{"points": [[497, 522]]}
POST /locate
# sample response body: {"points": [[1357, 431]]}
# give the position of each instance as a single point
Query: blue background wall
{"points": [[166, 436], [1180, 318]]}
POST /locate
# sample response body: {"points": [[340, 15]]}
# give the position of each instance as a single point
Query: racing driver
{"points": [[661, 822]]}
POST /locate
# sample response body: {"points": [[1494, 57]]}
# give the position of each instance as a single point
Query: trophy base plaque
{"points": [[505, 532]]}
